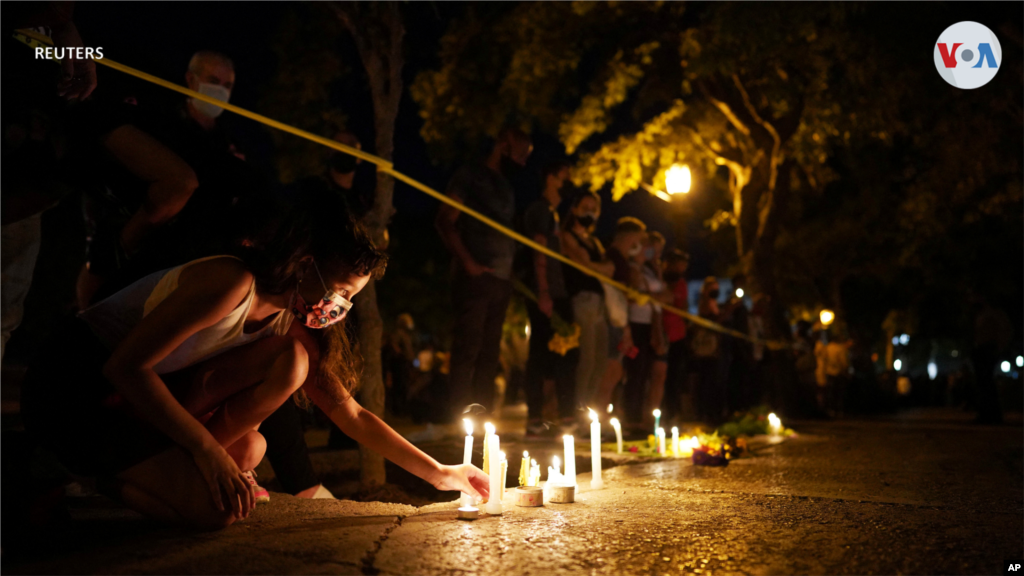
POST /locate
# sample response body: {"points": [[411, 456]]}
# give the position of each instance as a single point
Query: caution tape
{"points": [[34, 40]]}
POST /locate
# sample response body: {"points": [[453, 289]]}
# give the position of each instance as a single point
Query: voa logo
{"points": [[968, 55]]}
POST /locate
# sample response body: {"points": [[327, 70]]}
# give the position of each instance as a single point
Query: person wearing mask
{"points": [[706, 348], [547, 279], [627, 242], [163, 385], [481, 265], [676, 263], [588, 300]]}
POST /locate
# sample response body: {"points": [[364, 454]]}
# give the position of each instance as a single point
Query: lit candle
{"points": [[596, 483], [610, 408], [657, 420], [534, 473], [554, 476], [504, 473], [524, 470], [774, 424], [618, 433], [494, 501], [675, 441], [570, 460], [488, 432], [467, 456], [661, 441]]}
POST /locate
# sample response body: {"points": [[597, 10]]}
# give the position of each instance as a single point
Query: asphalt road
{"points": [[920, 493]]}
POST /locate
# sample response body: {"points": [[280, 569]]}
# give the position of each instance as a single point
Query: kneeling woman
{"points": [[158, 390]]}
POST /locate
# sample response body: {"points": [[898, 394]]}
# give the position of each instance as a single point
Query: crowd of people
{"points": [[636, 356]]}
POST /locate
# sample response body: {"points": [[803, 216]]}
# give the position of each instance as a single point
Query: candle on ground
{"points": [[504, 473], [534, 473], [494, 501], [618, 433], [774, 424], [570, 460], [524, 470], [467, 456], [675, 441], [657, 420], [596, 483], [661, 441]]}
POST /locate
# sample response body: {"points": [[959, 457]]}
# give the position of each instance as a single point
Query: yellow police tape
{"points": [[34, 40]]}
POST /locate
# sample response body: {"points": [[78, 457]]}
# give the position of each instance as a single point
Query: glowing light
{"points": [[657, 413], [904, 339], [739, 292], [468, 424], [527, 330], [1005, 366], [896, 341], [933, 370], [827, 317], [1020, 361], [897, 364], [610, 408], [593, 415], [774, 424], [677, 179], [489, 428]]}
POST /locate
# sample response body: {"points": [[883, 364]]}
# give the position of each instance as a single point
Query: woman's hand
{"points": [[225, 480], [464, 478]]}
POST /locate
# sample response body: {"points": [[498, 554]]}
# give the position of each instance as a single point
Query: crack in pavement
{"points": [[370, 557]]}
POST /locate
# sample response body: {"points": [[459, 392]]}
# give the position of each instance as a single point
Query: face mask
{"points": [[634, 250], [649, 253], [213, 91], [343, 163], [328, 310], [713, 294], [586, 220]]}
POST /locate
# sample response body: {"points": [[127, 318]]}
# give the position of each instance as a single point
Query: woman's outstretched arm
{"points": [[370, 431]]}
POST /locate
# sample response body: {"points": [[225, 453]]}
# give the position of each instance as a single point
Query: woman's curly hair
{"points": [[279, 234]]}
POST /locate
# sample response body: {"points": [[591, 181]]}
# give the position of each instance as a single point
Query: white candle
{"points": [[534, 473], [570, 460], [596, 483], [618, 433], [494, 501], [657, 420], [554, 476], [675, 441], [774, 424], [504, 474], [661, 441], [467, 456]]}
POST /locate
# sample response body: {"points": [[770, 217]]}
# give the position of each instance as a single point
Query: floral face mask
{"points": [[333, 307]]}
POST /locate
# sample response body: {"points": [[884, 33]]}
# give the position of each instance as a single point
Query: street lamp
{"points": [[677, 181], [827, 317]]}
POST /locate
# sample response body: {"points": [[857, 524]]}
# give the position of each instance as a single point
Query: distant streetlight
{"points": [[895, 340], [897, 364], [739, 292], [933, 370], [1020, 361], [904, 339], [827, 317], [1005, 366], [677, 179]]}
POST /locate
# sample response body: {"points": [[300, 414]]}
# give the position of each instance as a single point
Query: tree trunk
{"points": [[377, 31]]}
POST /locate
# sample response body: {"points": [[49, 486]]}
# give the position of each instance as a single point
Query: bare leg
{"points": [[171, 481]]}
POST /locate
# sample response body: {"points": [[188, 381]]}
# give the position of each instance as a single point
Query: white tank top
{"points": [[114, 317]]}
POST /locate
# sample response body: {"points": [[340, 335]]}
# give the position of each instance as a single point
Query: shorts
{"points": [[75, 412]]}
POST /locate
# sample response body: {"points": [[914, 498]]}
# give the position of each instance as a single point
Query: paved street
{"points": [[919, 493]]}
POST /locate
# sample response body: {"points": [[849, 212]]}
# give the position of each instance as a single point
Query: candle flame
{"points": [[614, 422], [661, 431], [675, 430], [657, 413], [610, 408], [774, 420], [569, 436], [556, 461], [501, 456], [489, 428], [469, 426], [533, 462], [525, 454], [593, 415]]}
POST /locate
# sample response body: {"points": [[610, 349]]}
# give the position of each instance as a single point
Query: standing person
{"points": [[627, 242], [738, 352], [820, 376], [676, 264], [482, 265], [588, 300], [645, 335], [164, 383], [546, 278], [837, 374], [707, 354], [653, 273]]}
